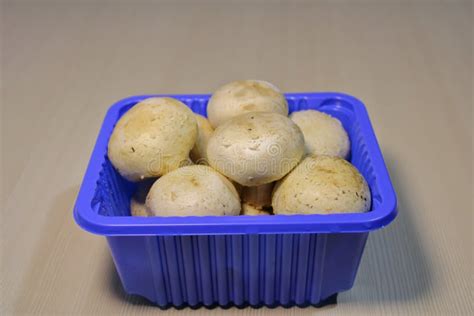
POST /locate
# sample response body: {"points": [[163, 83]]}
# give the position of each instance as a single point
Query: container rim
{"points": [[88, 218]]}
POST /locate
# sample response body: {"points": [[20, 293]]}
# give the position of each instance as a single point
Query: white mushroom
{"points": [[137, 202], [198, 153], [193, 191], [256, 148], [323, 134], [244, 96], [152, 138], [322, 185]]}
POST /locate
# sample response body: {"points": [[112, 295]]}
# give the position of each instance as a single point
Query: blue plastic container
{"points": [[237, 260]]}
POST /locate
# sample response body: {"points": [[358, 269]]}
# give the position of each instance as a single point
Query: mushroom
{"points": [[137, 202], [193, 191], [198, 153], [254, 150], [244, 96], [323, 134], [322, 185], [154, 137]]}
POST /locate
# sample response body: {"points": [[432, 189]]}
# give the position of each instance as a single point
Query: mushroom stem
{"points": [[259, 196]]}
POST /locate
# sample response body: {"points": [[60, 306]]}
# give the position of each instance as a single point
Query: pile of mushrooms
{"points": [[246, 158]]}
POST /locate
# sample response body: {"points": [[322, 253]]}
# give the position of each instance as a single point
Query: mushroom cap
{"points": [[193, 191], [244, 96], [249, 209], [152, 138], [256, 148], [322, 185], [323, 134], [199, 152], [137, 202]]}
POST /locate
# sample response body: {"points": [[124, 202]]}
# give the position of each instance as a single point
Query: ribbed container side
{"points": [[256, 270]]}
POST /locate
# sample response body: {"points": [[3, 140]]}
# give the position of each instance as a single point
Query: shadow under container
{"points": [[280, 260]]}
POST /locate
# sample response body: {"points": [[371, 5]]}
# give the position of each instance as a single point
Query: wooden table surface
{"points": [[64, 63]]}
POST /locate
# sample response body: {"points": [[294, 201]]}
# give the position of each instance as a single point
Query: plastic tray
{"points": [[237, 260]]}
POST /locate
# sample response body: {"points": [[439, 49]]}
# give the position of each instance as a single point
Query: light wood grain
{"points": [[64, 63]]}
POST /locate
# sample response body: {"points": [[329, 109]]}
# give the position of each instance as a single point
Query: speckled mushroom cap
{"points": [[256, 148], [322, 185], [152, 138], [244, 96], [199, 152], [193, 191], [324, 134]]}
